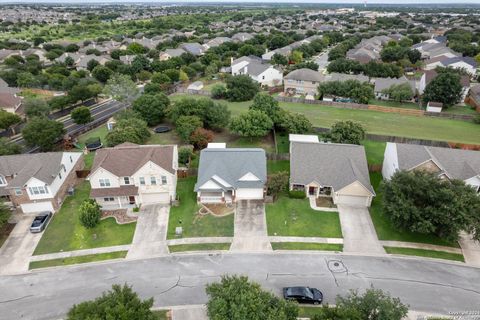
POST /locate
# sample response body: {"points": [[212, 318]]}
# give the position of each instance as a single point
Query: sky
{"points": [[251, 1]]}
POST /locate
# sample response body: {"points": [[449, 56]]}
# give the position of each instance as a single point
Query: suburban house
{"points": [[194, 48], [171, 53], [263, 73], [215, 42], [385, 83], [466, 63], [432, 50], [302, 81], [38, 182], [333, 170], [227, 175], [429, 75], [9, 99], [130, 175], [242, 37], [445, 162], [474, 97]]}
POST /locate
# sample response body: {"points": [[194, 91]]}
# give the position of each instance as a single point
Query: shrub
{"points": [[201, 137], [184, 154], [219, 91], [297, 194], [477, 119], [90, 213]]}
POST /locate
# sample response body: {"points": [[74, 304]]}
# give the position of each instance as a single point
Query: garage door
{"points": [[246, 194], [37, 207], [162, 197], [360, 201]]}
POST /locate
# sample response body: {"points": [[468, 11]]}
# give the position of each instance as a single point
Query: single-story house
{"points": [[302, 81], [9, 101], [170, 53], [385, 83], [242, 37], [194, 48], [38, 182], [130, 175], [263, 73], [227, 175], [447, 163], [333, 170]]}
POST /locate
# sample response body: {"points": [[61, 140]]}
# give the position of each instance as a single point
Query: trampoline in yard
{"points": [[93, 143], [162, 129]]}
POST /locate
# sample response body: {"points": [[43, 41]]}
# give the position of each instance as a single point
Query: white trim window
{"points": [[104, 182], [142, 181], [126, 180], [3, 181], [164, 180], [108, 199], [38, 190], [18, 192], [153, 181]]}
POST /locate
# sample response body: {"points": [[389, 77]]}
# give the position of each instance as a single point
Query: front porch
{"points": [[215, 197], [313, 190]]}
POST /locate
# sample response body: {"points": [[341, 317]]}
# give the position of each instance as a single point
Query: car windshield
{"points": [[307, 293]]}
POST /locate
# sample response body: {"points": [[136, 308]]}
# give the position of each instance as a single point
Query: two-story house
{"points": [[130, 175], [263, 73], [38, 182]]}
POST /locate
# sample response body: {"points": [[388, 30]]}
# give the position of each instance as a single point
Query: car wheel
{"points": [[316, 303]]}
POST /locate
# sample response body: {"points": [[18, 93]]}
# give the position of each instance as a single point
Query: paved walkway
{"points": [[18, 248], [359, 234], [306, 239], [250, 229], [150, 233], [470, 249], [78, 253], [424, 246], [313, 205], [173, 242]]}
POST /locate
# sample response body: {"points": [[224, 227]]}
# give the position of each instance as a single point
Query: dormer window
{"points": [[126, 180], [3, 182]]}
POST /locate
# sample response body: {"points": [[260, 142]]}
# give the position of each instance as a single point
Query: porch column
{"points": [[119, 202], [223, 196]]}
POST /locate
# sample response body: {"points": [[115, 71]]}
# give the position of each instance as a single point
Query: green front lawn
{"points": [[193, 224], [274, 166], [385, 228], [306, 246], [77, 260], [391, 124], [375, 151], [294, 217], [199, 247], [65, 233], [425, 253]]}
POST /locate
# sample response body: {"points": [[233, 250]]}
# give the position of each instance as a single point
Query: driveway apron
{"points": [[359, 234], [150, 233], [250, 230], [18, 248]]}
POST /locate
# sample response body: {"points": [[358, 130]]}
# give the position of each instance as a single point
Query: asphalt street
{"points": [[427, 286]]}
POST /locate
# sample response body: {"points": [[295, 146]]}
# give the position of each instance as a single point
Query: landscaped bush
{"points": [[219, 91], [297, 194], [90, 213], [184, 154]]}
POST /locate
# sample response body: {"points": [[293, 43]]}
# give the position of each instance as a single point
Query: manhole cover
{"points": [[336, 266]]}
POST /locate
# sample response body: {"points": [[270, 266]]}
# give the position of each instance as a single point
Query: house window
{"points": [[263, 77], [18, 192], [2, 181], [38, 190], [60, 175], [64, 169], [108, 199], [71, 159], [142, 181], [126, 180], [104, 182], [153, 181], [164, 180]]}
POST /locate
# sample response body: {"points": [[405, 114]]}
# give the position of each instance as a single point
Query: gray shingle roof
{"points": [[456, 163], [329, 164], [231, 164], [305, 75]]}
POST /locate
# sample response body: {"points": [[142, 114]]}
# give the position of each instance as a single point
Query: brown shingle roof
{"points": [[9, 100], [127, 158]]}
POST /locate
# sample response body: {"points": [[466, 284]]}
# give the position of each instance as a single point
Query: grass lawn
{"points": [[170, 137], [194, 225], [100, 132], [65, 233], [307, 246], [307, 312], [386, 230], [425, 253], [160, 314], [395, 104], [274, 166], [374, 151], [5, 232], [294, 217], [378, 122], [234, 141], [77, 260], [460, 110], [283, 145], [199, 247]]}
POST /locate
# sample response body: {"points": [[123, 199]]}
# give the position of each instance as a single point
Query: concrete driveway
{"points": [[250, 230], [150, 233], [16, 251], [359, 234]]}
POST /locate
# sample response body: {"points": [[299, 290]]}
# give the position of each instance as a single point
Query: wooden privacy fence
{"points": [[342, 105], [411, 112]]}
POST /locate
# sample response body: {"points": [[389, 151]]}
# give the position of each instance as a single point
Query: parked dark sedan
{"points": [[303, 295], [40, 222]]}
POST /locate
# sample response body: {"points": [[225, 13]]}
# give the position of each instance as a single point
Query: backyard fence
{"points": [[342, 105], [278, 156]]}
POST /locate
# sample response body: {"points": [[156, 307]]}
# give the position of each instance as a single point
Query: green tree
{"points": [[213, 115], [218, 91], [90, 213], [81, 115], [59, 103], [119, 303], [252, 124], [36, 107], [121, 87], [296, 56], [399, 92], [136, 48], [92, 64], [43, 133], [186, 125], [347, 132], [421, 202], [8, 147], [161, 78], [277, 183], [184, 154], [128, 129], [201, 137], [151, 108], [5, 214], [235, 298], [8, 119], [445, 88], [102, 73], [295, 123], [241, 88], [279, 59], [267, 104]]}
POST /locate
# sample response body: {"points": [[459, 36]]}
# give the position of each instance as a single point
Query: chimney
{"points": [[231, 60]]}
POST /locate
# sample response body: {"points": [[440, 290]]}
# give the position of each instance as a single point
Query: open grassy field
{"points": [[375, 122]]}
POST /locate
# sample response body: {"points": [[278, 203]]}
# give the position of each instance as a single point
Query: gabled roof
{"points": [[385, 83], [227, 166], [455, 163], [305, 75], [8, 99], [174, 52], [127, 158], [329, 164]]}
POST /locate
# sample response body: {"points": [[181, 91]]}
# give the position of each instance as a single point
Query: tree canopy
{"points": [[121, 87], [241, 88], [252, 124], [43, 133], [347, 132], [81, 115], [151, 107], [130, 129], [445, 88]]}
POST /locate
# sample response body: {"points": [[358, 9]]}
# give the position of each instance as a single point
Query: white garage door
{"points": [[162, 197], [352, 200], [246, 194], [37, 207]]}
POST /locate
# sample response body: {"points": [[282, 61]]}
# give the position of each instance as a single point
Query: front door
{"points": [[312, 191], [131, 199]]}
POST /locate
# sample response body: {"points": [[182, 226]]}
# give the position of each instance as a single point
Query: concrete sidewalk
{"points": [[470, 250], [193, 312]]}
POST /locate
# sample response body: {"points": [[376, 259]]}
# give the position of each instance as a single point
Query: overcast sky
{"points": [[250, 1]]}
